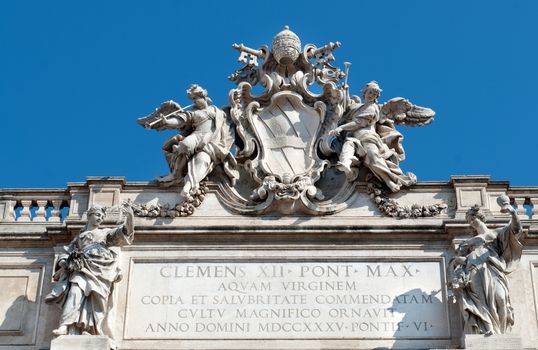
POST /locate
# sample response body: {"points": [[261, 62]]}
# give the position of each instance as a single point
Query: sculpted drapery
{"points": [[283, 141], [373, 141], [479, 274], [205, 140], [87, 271]]}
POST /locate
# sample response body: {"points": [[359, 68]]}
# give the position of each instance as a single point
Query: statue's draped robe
{"points": [[84, 287], [210, 134], [485, 300], [384, 163]]}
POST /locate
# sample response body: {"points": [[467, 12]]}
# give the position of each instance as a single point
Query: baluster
{"points": [[534, 202], [521, 210], [55, 213], [40, 214], [25, 214], [10, 214]]}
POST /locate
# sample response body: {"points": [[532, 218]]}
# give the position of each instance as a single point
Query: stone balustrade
{"points": [[33, 205], [525, 199], [54, 205], [36, 223]]}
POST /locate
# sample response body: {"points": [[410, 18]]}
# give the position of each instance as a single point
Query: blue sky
{"points": [[74, 76]]}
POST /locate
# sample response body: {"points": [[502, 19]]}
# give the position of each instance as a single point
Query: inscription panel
{"points": [[286, 300]]}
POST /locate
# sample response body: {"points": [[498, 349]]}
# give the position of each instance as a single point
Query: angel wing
{"points": [[153, 119], [403, 112]]}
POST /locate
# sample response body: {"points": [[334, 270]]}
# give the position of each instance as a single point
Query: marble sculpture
{"points": [[274, 153], [479, 272], [86, 272], [277, 148]]}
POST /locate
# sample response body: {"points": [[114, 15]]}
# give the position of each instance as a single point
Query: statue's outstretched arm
{"points": [[351, 126], [515, 222], [169, 115], [128, 224]]}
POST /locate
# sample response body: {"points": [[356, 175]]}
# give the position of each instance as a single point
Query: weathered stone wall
{"points": [[217, 280]]}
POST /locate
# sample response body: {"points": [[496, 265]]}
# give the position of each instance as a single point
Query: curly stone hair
{"points": [[96, 208], [373, 85], [196, 91], [475, 212]]}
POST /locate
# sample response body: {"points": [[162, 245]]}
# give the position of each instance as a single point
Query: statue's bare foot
{"points": [[343, 167], [393, 187], [164, 178], [165, 181], [62, 330]]}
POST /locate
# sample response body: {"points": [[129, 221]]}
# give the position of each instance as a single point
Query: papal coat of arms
{"points": [[293, 150]]}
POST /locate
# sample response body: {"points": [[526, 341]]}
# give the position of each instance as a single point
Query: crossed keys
{"points": [[247, 55], [250, 56]]}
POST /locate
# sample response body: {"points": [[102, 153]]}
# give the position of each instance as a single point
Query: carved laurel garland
{"points": [[185, 208], [392, 208]]}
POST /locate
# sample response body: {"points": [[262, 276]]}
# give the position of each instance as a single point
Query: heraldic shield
{"points": [[288, 149], [287, 131]]}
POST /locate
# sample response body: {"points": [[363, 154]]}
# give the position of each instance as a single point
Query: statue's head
{"points": [[198, 95], [474, 214], [96, 214], [286, 46], [371, 91]]}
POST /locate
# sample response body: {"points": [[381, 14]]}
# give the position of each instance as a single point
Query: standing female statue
{"points": [[88, 269], [479, 272]]}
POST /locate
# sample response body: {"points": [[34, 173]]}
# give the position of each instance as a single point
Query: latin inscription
{"points": [[258, 300]]}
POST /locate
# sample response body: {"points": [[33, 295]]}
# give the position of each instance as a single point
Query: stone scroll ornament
{"points": [[86, 272], [478, 272], [295, 151]]}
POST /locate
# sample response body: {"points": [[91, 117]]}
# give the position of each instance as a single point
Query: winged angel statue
{"points": [[372, 140], [205, 140], [288, 140]]}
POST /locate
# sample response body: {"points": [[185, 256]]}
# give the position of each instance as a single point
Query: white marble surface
{"points": [[358, 234], [293, 300], [493, 342], [80, 342]]}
